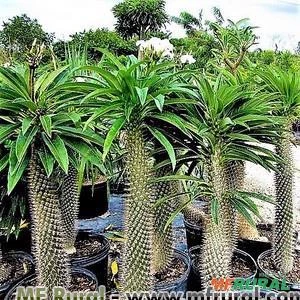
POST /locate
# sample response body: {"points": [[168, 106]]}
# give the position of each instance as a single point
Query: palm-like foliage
{"points": [[137, 18], [234, 41], [189, 22], [136, 95], [286, 85], [227, 125], [42, 132]]}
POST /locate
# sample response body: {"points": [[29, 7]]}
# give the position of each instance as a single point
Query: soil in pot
{"points": [[266, 265], [93, 199], [243, 266], [81, 280], [17, 266], [92, 254], [175, 278]]}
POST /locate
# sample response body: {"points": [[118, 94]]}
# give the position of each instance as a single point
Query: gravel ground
{"points": [[260, 180]]}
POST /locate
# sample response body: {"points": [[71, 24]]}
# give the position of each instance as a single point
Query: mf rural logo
{"points": [[241, 284]]}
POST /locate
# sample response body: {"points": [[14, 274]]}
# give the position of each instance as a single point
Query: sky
{"points": [[278, 20]]}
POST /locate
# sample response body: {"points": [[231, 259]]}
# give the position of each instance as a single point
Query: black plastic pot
{"points": [[194, 234], [195, 282], [255, 248], [263, 272], [93, 200], [4, 288], [31, 281], [20, 243], [180, 284], [96, 263]]}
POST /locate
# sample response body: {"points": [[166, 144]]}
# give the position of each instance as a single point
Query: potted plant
{"points": [[36, 119], [280, 262], [221, 124], [133, 93]]}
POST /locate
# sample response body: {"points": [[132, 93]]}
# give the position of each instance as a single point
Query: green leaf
{"points": [[172, 119], [47, 124], [6, 131], [142, 94], [4, 162], [159, 101], [47, 162], [16, 168], [58, 150], [166, 144], [111, 135], [26, 124], [24, 141]]}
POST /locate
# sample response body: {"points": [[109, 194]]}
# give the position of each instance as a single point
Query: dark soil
{"points": [[264, 232], [293, 277], [176, 270], [16, 268], [241, 267], [88, 247], [82, 283]]}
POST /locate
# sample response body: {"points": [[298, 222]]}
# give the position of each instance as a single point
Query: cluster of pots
{"points": [[95, 266], [254, 252]]}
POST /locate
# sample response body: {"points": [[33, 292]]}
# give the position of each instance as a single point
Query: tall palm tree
{"points": [[37, 118], [286, 85], [134, 95], [226, 124]]}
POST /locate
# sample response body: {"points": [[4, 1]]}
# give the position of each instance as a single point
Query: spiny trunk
{"points": [[284, 240], [235, 178], [52, 265], [139, 219], [4, 269], [69, 202], [217, 247], [163, 239], [215, 258]]}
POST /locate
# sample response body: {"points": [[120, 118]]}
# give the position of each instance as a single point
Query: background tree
{"points": [[137, 18], [19, 32], [189, 22]]}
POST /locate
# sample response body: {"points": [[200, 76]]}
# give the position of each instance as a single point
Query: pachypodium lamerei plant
{"points": [[135, 94], [43, 140], [225, 124], [286, 85]]}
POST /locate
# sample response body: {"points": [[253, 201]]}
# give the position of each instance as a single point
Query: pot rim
{"points": [[236, 250], [74, 270], [98, 256], [187, 261], [25, 255], [268, 253]]}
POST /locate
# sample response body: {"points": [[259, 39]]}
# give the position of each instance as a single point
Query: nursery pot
{"points": [[264, 273], [194, 234], [180, 284], [4, 288], [22, 242], [195, 282], [31, 281], [253, 247], [96, 263], [93, 200]]}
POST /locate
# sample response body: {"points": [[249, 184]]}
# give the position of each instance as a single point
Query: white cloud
{"points": [[276, 18]]}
